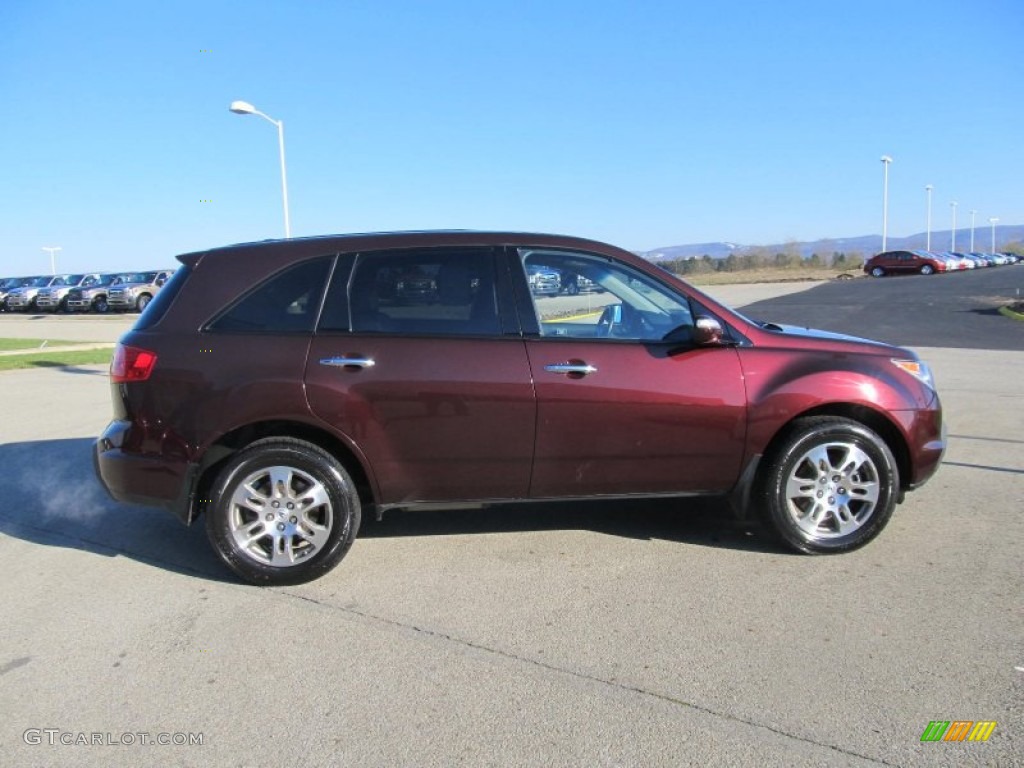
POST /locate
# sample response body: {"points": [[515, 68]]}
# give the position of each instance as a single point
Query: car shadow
{"points": [[697, 521], [75, 369], [55, 500]]}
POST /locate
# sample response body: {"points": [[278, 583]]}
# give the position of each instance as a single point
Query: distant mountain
{"points": [[866, 245]]}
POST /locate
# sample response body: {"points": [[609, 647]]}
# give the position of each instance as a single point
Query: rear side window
{"points": [[157, 308], [288, 302], [436, 291]]}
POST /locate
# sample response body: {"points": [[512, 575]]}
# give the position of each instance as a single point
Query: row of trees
{"points": [[763, 258]]}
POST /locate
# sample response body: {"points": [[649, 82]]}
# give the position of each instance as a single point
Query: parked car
{"points": [[54, 297], [267, 389], [904, 262], [544, 281], [24, 298], [7, 285], [137, 289], [92, 297], [573, 284]]}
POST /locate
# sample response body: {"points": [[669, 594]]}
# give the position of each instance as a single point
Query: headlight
{"points": [[918, 370]]}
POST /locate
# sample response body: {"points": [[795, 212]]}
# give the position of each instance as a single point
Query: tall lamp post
{"points": [[53, 263], [886, 160], [952, 246], [245, 108], [973, 214], [928, 236], [993, 221]]}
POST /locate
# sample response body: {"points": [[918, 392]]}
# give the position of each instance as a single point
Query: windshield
{"points": [[41, 282], [138, 277]]}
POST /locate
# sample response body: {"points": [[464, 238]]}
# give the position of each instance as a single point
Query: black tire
{"points": [[877, 272], [250, 534], [927, 269], [142, 301], [573, 289], [856, 489], [100, 305]]}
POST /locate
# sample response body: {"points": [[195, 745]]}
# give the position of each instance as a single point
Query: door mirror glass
{"points": [[707, 331]]}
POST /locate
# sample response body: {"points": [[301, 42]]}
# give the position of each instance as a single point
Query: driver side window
{"points": [[585, 296]]}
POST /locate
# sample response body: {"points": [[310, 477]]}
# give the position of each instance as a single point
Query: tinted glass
{"points": [[287, 302], [158, 306], [438, 291]]}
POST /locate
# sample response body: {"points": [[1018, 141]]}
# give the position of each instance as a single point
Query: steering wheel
{"points": [[620, 320]]}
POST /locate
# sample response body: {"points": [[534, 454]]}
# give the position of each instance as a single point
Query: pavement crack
{"points": [[618, 685]]}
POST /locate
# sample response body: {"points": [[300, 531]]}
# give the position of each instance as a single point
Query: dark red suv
{"points": [[280, 388]]}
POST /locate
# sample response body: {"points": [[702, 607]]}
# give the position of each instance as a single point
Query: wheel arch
{"points": [[228, 444], [870, 418]]}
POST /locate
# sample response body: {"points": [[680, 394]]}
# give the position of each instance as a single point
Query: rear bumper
{"points": [[145, 479]]}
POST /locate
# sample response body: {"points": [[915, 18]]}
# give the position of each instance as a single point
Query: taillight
{"points": [[131, 364]]}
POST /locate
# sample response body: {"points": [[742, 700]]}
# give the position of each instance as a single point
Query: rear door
{"points": [[621, 410], [418, 365]]}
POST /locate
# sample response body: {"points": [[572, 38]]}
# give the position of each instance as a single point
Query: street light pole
{"points": [[928, 237], [993, 221], [886, 160], [245, 108], [973, 214], [952, 246], [53, 263]]}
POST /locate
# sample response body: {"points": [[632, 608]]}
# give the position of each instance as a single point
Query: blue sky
{"points": [[641, 123]]}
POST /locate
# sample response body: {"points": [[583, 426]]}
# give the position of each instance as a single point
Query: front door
{"points": [[620, 409]]}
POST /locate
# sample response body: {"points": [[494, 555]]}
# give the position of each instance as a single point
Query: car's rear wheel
{"points": [[830, 485], [877, 272], [283, 511], [927, 269]]}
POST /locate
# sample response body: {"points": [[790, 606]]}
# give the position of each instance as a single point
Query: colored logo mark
{"points": [[958, 730]]}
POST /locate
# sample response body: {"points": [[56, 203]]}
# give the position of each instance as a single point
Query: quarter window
{"points": [[585, 296], [287, 302]]}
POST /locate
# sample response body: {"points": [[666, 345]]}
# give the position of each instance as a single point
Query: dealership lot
{"points": [[603, 634]]}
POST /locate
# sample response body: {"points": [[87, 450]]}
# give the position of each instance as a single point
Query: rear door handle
{"points": [[348, 362], [580, 369]]}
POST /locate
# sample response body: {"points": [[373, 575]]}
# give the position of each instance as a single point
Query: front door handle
{"points": [[579, 369], [354, 361]]}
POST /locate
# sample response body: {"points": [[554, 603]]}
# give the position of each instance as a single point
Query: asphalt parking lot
{"points": [[599, 634]]}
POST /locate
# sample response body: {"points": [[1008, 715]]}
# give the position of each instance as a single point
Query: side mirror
{"points": [[707, 331]]}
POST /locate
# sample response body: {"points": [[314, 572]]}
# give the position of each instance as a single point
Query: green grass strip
{"points": [[1011, 314], [7, 345], [55, 359]]}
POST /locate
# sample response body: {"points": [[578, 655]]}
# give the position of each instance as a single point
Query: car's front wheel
{"points": [[927, 269], [283, 511], [142, 301], [830, 485], [877, 272], [100, 305]]}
